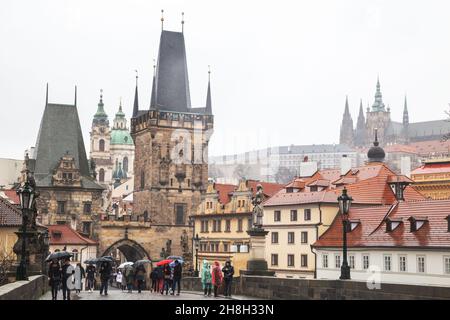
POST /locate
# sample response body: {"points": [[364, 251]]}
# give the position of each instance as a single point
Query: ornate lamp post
{"points": [[27, 201], [197, 245], [345, 202]]}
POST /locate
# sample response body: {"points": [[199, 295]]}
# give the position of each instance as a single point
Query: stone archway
{"points": [[132, 250]]}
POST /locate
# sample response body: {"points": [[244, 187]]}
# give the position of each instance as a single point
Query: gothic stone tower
{"points": [[378, 118], [171, 140], [346, 136]]}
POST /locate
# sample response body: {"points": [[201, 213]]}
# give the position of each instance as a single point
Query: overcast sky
{"points": [[280, 69]]}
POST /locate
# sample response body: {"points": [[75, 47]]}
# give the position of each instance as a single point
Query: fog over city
{"points": [[280, 69]]}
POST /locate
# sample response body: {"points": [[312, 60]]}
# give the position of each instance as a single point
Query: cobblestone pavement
{"points": [[116, 294]]}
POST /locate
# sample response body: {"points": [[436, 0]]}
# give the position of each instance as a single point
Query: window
{"points": [[239, 203], [125, 164], [387, 262], [179, 209], [277, 215], [365, 261], [402, 263], [291, 237], [189, 183], [239, 225], [171, 182], [274, 237], [101, 145], [61, 207], [304, 260], [337, 261], [225, 247], [351, 261], [101, 175], [227, 225], [249, 224], [324, 260], [447, 265], [87, 228], [274, 259], [87, 207], [142, 180], [75, 255], [293, 215], [307, 214], [304, 237], [421, 264], [290, 260]]}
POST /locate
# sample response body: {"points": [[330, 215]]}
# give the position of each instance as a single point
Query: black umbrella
{"points": [[91, 261], [58, 255], [139, 262], [105, 259]]}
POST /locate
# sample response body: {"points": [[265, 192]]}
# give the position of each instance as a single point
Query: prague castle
{"points": [[389, 131]]}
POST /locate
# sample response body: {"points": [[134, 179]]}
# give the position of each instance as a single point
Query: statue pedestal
{"points": [[36, 251], [257, 264]]}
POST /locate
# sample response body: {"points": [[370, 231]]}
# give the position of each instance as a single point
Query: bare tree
{"points": [[284, 175]]}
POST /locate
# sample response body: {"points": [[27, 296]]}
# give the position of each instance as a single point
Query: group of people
{"points": [[131, 276], [167, 278], [68, 278], [216, 276]]}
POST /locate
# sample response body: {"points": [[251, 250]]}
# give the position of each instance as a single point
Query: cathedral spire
{"points": [[405, 113], [346, 111], [378, 104], [153, 98], [136, 101], [208, 109], [346, 134], [360, 135], [100, 116]]}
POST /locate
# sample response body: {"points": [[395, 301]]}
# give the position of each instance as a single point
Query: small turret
{"points": [[376, 153]]}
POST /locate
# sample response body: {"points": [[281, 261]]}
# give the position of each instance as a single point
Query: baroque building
{"points": [[389, 131], [171, 139], [69, 193]]}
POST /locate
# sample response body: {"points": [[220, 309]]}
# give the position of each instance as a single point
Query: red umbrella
{"points": [[163, 262]]}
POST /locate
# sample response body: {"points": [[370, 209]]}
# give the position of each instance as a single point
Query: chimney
{"points": [[405, 166], [346, 164]]}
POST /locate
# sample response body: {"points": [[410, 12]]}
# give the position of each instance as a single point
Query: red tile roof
{"points": [[283, 198], [12, 195], [431, 147], [432, 168], [224, 191], [68, 236], [371, 232], [10, 215], [269, 188]]}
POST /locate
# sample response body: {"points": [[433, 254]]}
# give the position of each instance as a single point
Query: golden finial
{"points": [[162, 19], [182, 22]]}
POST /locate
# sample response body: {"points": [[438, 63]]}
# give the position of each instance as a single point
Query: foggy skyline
{"points": [[280, 70]]}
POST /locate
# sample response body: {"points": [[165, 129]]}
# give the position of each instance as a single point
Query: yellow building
{"points": [[432, 179], [10, 221], [222, 219]]}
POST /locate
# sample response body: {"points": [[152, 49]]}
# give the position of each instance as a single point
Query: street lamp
{"points": [[345, 201], [27, 197], [197, 245]]}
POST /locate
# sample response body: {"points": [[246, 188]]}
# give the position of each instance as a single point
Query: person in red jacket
{"points": [[217, 277]]}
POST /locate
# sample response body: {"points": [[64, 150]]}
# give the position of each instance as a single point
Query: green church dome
{"points": [[121, 137]]}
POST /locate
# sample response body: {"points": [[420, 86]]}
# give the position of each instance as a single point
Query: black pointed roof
{"points": [[208, 108], [172, 83], [136, 101], [60, 134]]}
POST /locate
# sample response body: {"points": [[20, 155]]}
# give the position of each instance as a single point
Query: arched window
{"points": [[125, 164], [101, 145], [75, 255], [101, 175]]}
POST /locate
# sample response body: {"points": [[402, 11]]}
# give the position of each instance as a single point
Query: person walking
{"points": [[79, 276], [129, 272], [159, 279], [167, 279], [105, 275], [67, 270], [154, 278], [228, 272], [140, 277], [124, 280], [90, 277], [206, 278], [54, 275], [177, 271], [217, 277], [119, 277]]}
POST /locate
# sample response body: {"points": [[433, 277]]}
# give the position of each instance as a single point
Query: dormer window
{"points": [[56, 234], [417, 223], [352, 224], [392, 224]]}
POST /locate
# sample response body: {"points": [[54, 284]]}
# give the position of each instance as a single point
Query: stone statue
{"points": [[168, 247], [257, 207], [184, 242]]}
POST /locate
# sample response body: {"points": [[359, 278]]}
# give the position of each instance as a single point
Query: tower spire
{"points": [[46, 95], [346, 111], [75, 102], [136, 102], [378, 104], [153, 98], [208, 109], [182, 22], [162, 19]]}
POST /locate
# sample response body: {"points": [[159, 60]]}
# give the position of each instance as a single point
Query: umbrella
{"points": [[58, 255], [176, 258], [91, 261], [163, 262], [123, 265], [139, 262], [172, 264], [105, 259]]}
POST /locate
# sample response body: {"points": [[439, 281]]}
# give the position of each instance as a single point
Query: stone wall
{"points": [[25, 290], [195, 284], [313, 289]]}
